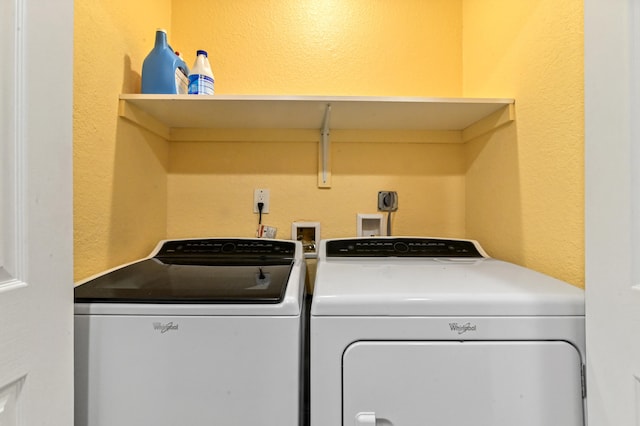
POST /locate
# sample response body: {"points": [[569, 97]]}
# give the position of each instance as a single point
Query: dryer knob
{"points": [[401, 247]]}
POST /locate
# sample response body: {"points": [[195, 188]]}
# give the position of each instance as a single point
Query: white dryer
{"points": [[201, 332], [426, 331]]}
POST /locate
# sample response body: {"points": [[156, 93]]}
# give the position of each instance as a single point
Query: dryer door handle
{"points": [[369, 419], [365, 419]]}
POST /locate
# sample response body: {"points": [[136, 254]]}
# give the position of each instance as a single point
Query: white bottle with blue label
{"points": [[201, 77]]}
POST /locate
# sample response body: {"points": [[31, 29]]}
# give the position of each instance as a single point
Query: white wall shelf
{"points": [[305, 118]]}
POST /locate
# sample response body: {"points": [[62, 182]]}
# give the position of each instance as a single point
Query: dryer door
{"points": [[462, 383]]}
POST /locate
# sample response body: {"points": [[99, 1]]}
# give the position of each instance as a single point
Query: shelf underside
{"points": [[257, 118]]}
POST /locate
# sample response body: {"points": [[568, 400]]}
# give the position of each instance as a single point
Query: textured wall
{"points": [[332, 47], [346, 47], [211, 187], [525, 184], [519, 190], [120, 191]]}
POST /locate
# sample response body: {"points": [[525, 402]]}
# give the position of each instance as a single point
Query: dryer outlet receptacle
{"points": [[387, 201]]}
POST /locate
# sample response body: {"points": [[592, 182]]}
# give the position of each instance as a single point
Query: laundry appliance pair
{"points": [[403, 331]]}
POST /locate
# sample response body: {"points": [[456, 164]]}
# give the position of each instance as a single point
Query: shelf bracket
{"points": [[324, 174]]}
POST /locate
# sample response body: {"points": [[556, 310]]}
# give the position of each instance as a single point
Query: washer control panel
{"points": [[227, 246], [401, 247]]}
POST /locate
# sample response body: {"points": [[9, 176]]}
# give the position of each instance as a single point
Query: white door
{"points": [[612, 189], [36, 290], [525, 383]]}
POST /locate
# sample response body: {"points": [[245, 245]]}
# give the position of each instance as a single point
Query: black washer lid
{"points": [[199, 271]]}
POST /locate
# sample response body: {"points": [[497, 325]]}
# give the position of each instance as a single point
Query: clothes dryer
{"points": [[427, 331], [201, 332]]}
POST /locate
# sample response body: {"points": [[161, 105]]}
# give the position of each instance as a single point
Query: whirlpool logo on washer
{"points": [[163, 328], [462, 328]]}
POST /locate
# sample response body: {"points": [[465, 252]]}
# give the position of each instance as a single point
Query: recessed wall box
{"points": [[370, 225], [308, 233]]}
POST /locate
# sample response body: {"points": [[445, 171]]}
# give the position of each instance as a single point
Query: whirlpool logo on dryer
{"points": [[462, 328], [163, 328]]}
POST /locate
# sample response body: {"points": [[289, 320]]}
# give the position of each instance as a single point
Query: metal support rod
{"points": [[325, 143]]}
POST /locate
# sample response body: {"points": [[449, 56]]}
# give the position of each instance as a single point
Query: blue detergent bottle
{"points": [[163, 71]]}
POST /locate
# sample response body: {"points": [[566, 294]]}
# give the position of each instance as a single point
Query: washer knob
{"points": [[228, 248]]}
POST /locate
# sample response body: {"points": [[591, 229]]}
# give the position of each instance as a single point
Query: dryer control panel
{"points": [[401, 247]]}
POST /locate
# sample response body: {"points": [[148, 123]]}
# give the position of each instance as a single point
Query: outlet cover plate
{"points": [[261, 195]]}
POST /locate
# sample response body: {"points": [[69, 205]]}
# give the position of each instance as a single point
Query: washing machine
{"points": [[428, 331], [201, 332]]}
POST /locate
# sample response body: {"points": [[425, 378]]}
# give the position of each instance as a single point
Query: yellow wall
{"points": [[211, 187], [280, 47], [120, 190], [531, 171], [338, 47], [332, 47], [525, 185], [311, 47]]}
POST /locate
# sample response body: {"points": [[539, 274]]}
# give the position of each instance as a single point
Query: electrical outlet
{"points": [[261, 196], [388, 201]]}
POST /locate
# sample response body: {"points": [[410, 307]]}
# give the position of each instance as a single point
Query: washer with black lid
{"points": [[202, 331]]}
